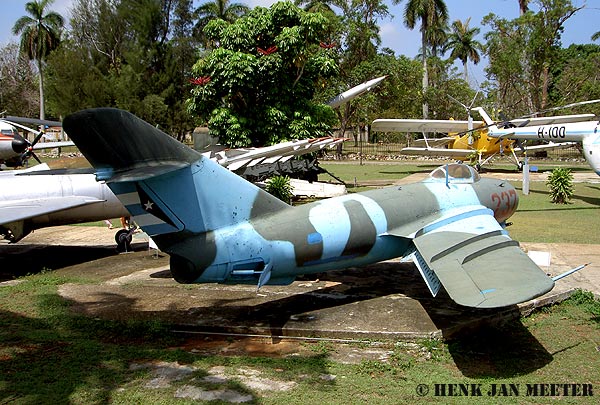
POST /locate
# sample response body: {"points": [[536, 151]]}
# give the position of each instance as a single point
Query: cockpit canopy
{"points": [[456, 173]]}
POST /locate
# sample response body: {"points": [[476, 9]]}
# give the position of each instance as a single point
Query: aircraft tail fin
{"points": [[166, 186]]}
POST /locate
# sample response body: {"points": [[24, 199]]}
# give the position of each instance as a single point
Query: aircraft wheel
{"points": [[123, 239], [520, 166]]}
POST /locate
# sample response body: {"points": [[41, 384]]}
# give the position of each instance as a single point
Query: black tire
{"points": [[123, 239]]}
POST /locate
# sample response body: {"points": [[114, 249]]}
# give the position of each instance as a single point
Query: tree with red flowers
{"points": [[256, 86]]}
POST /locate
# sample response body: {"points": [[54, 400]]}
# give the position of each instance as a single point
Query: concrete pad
{"points": [[380, 301]]}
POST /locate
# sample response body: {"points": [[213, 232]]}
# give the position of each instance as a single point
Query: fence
{"points": [[390, 147]]}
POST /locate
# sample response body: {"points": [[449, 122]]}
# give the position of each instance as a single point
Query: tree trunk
{"points": [[41, 79], [425, 75]]}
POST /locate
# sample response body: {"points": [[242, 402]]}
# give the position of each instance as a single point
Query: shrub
{"points": [[560, 183], [280, 187]]}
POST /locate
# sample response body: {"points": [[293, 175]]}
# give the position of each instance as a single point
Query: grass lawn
{"points": [[539, 220], [48, 355]]}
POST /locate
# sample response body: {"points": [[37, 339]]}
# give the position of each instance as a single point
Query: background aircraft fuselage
{"points": [[35, 201], [584, 132]]}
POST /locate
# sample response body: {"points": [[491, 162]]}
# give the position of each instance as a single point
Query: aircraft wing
{"points": [[478, 264], [559, 119], [52, 145], [18, 210], [457, 153], [409, 125]]}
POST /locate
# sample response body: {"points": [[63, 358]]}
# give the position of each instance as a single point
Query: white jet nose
{"points": [[591, 150]]}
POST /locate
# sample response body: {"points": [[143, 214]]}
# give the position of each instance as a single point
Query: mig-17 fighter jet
{"points": [[217, 227]]}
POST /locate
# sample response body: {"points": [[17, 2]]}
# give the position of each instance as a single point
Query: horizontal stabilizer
{"points": [[457, 153], [52, 145], [416, 125]]}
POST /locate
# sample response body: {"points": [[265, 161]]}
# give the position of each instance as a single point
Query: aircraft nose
{"points": [[499, 196], [19, 144]]}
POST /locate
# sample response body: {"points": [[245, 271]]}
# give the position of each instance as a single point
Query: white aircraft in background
{"points": [[37, 197], [579, 130], [471, 139], [15, 150]]}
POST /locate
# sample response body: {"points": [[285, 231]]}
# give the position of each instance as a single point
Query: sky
{"points": [[394, 35]]}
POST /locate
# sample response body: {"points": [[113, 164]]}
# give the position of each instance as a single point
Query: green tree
{"points": [[317, 6], [523, 78], [40, 34], [362, 31], [131, 54], [222, 9], [575, 73], [257, 87], [430, 14], [463, 44], [97, 27], [184, 53]]}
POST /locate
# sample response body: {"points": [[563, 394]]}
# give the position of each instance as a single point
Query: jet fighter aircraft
{"points": [[217, 227]]}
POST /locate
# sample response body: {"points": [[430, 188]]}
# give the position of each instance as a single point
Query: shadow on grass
{"points": [[20, 259], [503, 352], [62, 358], [57, 356]]}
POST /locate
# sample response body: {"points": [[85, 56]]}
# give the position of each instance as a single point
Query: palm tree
{"points": [[40, 35], [316, 6], [523, 6], [431, 14], [222, 9], [436, 38], [463, 44]]}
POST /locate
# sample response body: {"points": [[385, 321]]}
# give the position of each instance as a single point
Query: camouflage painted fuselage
{"points": [[234, 235]]}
